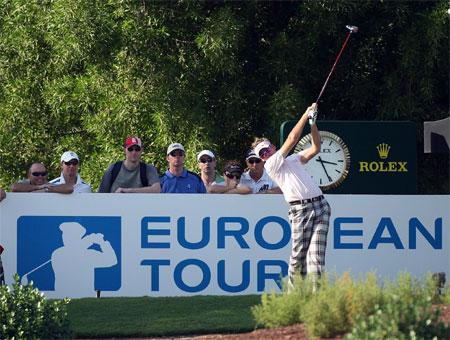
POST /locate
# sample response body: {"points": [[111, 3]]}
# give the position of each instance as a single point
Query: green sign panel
{"points": [[382, 156]]}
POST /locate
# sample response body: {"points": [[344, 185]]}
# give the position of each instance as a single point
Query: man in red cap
{"points": [[131, 175]]}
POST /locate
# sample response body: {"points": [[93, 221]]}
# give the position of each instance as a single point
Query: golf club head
{"points": [[353, 29]]}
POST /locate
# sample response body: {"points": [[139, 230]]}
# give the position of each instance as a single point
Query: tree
{"points": [[84, 75]]}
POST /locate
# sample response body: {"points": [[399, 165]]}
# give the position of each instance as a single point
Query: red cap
{"points": [[132, 141]]}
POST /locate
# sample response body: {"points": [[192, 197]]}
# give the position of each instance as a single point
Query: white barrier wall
{"points": [[175, 244]]}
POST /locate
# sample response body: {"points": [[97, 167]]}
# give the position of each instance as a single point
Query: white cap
{"points": [[69, 155], [205, 152], [261, 146], [175, 146]]}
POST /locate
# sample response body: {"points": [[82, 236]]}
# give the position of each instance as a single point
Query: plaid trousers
{"points": [[309, 226]]}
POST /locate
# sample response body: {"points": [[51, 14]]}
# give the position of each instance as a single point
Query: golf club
{"points": [[352, 29]]}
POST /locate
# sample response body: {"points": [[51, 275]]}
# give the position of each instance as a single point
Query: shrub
{"points": [[395, 310], [398, 319], [278, 310], [27, 314]]}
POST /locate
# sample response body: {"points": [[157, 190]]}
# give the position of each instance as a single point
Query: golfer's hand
{"points": [[312, 114]]}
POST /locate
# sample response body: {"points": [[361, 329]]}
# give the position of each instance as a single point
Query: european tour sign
{"points": [[188, 244], [383, 155]]}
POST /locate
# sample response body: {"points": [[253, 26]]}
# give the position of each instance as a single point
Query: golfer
{"points": [[309, 213]]}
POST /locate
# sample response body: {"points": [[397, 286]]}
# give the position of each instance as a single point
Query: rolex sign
{"points": [[380, 156]]}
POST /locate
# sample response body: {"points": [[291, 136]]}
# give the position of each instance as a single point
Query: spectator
{"points": [[177, 179], [232, 174], [2, 194], [257, 178], [70, 175], [131, 175], [37, 182], [207, 164]]}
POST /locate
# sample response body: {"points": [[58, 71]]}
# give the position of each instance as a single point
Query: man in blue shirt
{"points": [[176, 179]]}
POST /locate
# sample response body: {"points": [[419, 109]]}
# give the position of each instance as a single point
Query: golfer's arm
{"points": [[295, 133], [315, 145]]}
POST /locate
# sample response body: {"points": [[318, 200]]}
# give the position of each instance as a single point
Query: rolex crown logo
{"points": [[383, 150]]}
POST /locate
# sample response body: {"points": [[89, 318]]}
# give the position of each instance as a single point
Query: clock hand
{"points": [[322, 161], [323, 166]]}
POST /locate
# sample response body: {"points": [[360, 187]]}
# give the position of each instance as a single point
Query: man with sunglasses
{"points": [[69, 175], [176, 179], [309, 212], [232, 174], [131, 175], [37, 182], [256, 177], [207, 164]]}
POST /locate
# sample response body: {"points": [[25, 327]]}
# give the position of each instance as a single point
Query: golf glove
{"points": [[312, 116]]}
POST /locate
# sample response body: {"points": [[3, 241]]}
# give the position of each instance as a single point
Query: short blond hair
{"points": [[259, 140]]}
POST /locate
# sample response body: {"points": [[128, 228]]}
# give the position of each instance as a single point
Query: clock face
{"points": [[331, 165]]}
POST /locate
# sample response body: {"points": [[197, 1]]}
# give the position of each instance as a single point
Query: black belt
{"points": [[308, 200]]}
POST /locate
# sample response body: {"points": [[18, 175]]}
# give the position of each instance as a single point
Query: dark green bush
{"points": [[27, 314]]}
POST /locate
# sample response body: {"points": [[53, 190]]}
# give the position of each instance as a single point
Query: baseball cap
{"points": [[132, 141], [205, 152], [250, 154], [68, 155], [261, 146], [175, 146], [234, 168]]}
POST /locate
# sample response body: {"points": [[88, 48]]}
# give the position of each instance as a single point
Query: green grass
{"points": [[166, 316]]}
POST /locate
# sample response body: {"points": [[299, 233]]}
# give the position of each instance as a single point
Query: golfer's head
{"points": [[264, 149]]}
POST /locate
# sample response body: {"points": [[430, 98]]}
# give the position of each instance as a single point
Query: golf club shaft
{"points": [[332, 69]]}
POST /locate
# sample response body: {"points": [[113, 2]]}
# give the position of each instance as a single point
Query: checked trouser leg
{"points": [[309, 229]]}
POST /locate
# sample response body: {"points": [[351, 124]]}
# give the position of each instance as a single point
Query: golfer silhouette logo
{"points": [[75, 262]]}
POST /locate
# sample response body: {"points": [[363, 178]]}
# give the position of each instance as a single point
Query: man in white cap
{"points": [[131, 175], [207, 164], [256, 177], [309, 213], [69, 164], [177, 179]]}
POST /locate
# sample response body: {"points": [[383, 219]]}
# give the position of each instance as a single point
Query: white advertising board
{"points": [[175, 244]]}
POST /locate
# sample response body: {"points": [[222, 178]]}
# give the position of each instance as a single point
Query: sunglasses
{"points": [[265, 152], [134, 148], [72, 162], [206, 160], [231, 176], [252, 161], [39, 173], [175, 154]]}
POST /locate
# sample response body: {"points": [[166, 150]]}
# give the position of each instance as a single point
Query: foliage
{"points": [[406, 313], [278, 310], [27, 314], [395, 310], [85, 75]]}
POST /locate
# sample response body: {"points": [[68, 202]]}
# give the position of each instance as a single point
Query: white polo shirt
{"points": [[263, 184], [79, 187], [291, 176]]}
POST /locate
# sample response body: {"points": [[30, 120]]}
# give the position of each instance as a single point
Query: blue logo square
{"points": [[74, 255]]}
